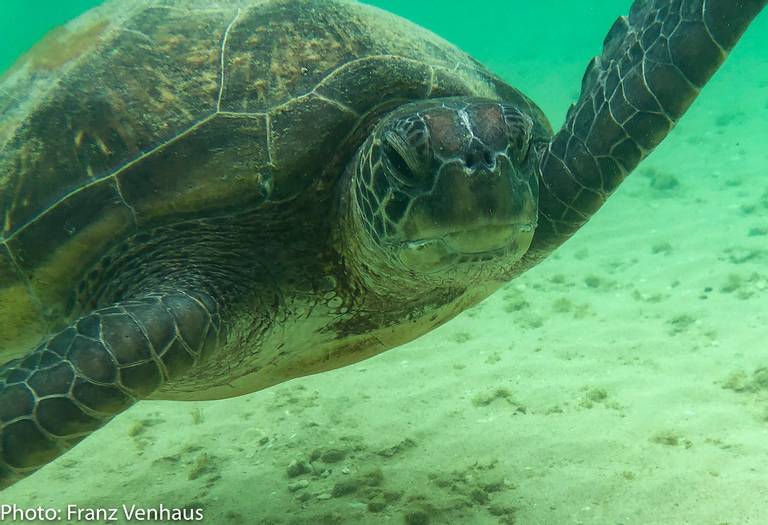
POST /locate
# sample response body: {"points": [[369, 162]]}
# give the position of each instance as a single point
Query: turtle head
{"points": [[446, 182]]}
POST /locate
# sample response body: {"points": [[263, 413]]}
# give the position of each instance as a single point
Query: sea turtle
{"points": [[203, 198]]}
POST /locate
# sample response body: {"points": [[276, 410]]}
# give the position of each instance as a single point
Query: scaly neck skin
{"points": [[216, 259], [374, 269]]}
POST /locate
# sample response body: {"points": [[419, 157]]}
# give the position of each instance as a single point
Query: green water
{"points": [[621, 382]]}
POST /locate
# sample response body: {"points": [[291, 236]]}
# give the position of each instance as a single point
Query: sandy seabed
{"points": [[623, 381]]}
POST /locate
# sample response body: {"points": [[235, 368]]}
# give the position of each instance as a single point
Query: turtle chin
{"points": [[501, 244]]}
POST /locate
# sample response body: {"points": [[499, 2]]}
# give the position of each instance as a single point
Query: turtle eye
{"points": [[401, 159], [519, 128]]}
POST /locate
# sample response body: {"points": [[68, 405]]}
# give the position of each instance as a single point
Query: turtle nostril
{"points": [[488, 159], [470, 160], [479, 159]]}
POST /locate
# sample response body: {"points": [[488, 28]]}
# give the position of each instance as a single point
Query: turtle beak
{"points": [[473, 213], [476, 209], [431, 255], [486, 238]]}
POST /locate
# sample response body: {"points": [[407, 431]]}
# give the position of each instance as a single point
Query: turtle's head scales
{"points": [[447, 182]]}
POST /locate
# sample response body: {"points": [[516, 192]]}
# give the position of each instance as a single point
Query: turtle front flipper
{"points": [[653, 65], [81, 377]]}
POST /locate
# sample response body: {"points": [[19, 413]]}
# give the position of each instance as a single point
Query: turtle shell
{"points": [[146, 112]]}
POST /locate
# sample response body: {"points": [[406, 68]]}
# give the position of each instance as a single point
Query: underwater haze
{"points": [[623, 381]]}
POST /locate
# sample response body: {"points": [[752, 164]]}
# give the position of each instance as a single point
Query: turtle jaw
{"points": [[485, 217], [497, 242]]}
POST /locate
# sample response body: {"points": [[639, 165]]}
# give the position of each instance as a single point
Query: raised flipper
{"points": [[81, 377], [653, 65]]}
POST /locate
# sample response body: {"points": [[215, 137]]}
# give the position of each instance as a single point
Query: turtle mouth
{"points": [[485, 239], [464, 246]]}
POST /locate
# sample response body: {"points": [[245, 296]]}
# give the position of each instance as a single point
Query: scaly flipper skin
{"points": [[80, 378], [653, 65]]}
